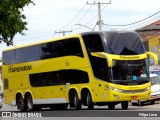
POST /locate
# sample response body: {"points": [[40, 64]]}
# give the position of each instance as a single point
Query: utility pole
{"points": [[99, 12], [63, 32]]}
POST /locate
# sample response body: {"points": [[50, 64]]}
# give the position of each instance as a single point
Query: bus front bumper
{"points": [[118, 96]]}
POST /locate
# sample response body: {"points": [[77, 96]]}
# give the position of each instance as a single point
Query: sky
{"points": [[48, 16]]}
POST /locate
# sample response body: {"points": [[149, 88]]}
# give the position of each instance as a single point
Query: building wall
{"points": [[150, 36], [154, 45]]}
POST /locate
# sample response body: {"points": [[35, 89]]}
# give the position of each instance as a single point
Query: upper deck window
{"points": [[61, 48], [93, 43]]}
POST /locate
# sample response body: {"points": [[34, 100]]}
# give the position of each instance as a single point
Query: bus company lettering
{"points": [[12, 69], [129, 57]]}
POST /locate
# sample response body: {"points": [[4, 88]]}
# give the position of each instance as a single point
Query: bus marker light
{"points": [[134, 97]]}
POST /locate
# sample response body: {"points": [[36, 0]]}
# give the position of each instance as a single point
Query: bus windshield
{"points": [[123, 43], [129, 72]]}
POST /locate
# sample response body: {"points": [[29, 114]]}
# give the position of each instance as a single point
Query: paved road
{"points": [[99, 113]]}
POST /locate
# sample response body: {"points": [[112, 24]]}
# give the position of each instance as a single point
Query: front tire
{"points": [[124, 105], [21, 104], [89, 101]]}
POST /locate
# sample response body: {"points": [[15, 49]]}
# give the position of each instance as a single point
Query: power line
{"points": [[63, 32], [74, 17], [137, 21], [33, 38], [81, 17], [145, 22], [84, 14], [85, 26], [95, 26]]}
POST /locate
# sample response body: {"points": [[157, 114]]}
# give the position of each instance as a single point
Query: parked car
{"points": [[155, 90]]}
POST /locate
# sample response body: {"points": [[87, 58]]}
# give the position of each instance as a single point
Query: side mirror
{"points": [[154, 56]]}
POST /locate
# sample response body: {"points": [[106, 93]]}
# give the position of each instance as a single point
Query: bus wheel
{"points": [[77, 102], [124, 105], [29, 103], [89, 101], [21, 104], [111, 106], [152, 102]]}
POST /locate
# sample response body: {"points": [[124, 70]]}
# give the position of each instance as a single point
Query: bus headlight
{"points": [[110, 88], [148, 88], [115, 89]]}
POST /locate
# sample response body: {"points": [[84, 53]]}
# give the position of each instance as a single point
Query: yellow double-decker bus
{"points": [[92, 68]]}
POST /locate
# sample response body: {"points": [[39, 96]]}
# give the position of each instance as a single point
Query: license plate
{"points": [[134, 97]]}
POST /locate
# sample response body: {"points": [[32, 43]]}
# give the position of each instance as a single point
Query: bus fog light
{"points": [[116, 96]]}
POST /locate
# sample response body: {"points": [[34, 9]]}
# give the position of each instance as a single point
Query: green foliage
{"points": [[12, 19]]}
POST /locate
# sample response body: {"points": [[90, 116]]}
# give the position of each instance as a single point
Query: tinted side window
{"points": [[21, 55], [74, 47], [9, 57], [61, 48], [47, 50], [76, 77], [44, 79], [34, 53], [60, 77], [93, 43]]}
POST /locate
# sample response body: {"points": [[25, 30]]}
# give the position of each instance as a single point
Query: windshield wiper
{"points": [[122, 82], [130, 82]]}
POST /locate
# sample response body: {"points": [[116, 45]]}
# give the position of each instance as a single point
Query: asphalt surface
{"points": [[145, 112]]}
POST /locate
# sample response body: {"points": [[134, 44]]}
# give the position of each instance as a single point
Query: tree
{"points": [[12, 21]]}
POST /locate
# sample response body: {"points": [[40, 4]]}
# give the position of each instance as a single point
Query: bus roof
{"points": [[64, 37], [116, 31], [40, 42]]}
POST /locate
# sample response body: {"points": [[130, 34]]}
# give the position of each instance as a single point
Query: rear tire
{"points": [[21, 105], [77, 102], [89, 101], [30, 106]]}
